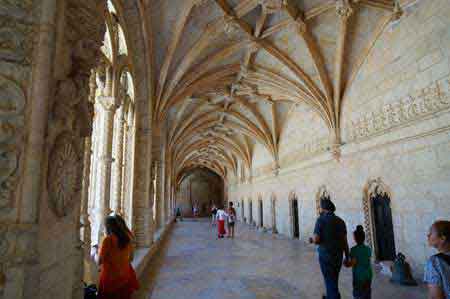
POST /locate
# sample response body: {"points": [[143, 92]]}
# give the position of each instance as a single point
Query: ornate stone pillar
{"points": [[84, 214], [103, 188], [157, 191], [118, 162]]}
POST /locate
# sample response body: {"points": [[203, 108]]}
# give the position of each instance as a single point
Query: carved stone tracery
{"points": [[322, 193], [373, 187]]}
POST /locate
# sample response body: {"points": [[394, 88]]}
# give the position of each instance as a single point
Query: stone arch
{"points": [[294, 219], [372, 187], [322, 193]]}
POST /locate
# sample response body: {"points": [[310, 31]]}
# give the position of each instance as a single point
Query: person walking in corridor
{"points": [[117, 278], [221, 216], [213, 214], [362, 269], [437, 268], [330, 234], [231, 220]]}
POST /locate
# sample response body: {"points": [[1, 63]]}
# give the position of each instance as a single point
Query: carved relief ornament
{"points": [[417, 105], [64, 180], [71, 112], [12, 103]]}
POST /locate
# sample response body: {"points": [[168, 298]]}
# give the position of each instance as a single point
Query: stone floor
{"points": [[193, 264]]}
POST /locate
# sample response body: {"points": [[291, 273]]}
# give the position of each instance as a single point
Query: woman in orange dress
{"points": [[117, 277]]}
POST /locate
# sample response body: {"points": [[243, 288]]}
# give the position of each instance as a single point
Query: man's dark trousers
{"points": [[331, 266]]}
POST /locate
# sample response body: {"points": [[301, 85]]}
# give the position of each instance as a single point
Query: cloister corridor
{"points": [[194, 264]]}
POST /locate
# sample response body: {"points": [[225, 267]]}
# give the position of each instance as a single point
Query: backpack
{"points": [[90, 291], [444, 257]]}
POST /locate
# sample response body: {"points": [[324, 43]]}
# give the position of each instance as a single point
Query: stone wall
{"points": [[396, 132]]}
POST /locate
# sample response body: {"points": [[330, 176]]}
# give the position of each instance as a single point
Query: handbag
{"points": [[90, 291]]}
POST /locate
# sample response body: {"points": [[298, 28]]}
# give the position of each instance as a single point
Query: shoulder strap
{"points": [[444, 257]]}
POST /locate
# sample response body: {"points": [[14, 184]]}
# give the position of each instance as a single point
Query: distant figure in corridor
{"points": [[195, 211], [178, 214], [330, 234], [213, 214], [117, 277], [221, 216], [231, 220], [360, 261], [437, 268]]}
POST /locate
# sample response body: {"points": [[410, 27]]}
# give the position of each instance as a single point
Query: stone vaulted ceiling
{"points": [[228, 72]]}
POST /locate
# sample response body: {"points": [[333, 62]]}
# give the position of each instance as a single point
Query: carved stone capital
{"points": [[272, 6], [253, 46], [231, 26], [301, 25], [199, 2], [398, 12], [344, 9], [108, 103]]}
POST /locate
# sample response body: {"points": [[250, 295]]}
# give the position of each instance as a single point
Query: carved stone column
{"points": [[84, 214], [157, 191], [118, 163], [103, 188], [143, 207]]}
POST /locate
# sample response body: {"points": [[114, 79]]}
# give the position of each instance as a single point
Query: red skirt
{"points": [[119, 290], [221, 227]]}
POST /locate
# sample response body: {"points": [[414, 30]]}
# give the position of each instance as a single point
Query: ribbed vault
{"points": [[227, 71]]}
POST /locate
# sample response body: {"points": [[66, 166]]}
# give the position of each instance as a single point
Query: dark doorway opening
{"points": [[384, 229], [250, 211], [242, 211], [295, 222], [261, 213]]}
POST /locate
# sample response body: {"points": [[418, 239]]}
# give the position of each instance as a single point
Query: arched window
{"points": [[112, 144]]}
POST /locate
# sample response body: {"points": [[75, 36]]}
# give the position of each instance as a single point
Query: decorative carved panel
{"points": [[65, 174], [12, 103], [414, 107], [16, 26]]}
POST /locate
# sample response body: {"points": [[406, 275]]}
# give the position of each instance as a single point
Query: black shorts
{"points": [[230, 224]]}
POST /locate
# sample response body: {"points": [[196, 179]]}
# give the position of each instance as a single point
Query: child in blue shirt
{"points": [[360, 261]]}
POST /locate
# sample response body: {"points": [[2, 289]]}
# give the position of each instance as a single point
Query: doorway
{"points": [[295, 222], [261, 213], [242, 211], [384, 229], [250, 212]]}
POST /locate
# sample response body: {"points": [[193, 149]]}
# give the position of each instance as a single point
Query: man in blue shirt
{"points": [[330, 234]]}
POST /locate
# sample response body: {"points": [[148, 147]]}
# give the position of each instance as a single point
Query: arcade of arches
{"points": [[127, 106]]}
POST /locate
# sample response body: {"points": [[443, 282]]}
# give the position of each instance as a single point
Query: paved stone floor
{"points": [[193, 264]]}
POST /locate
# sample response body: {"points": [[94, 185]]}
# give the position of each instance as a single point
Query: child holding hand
{"points": [[360, 262]]}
